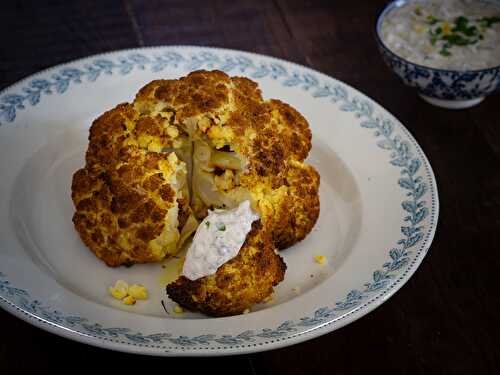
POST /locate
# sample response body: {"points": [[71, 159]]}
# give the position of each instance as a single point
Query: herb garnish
{"points": [[207, 223], [488, 21], [463, 32], [221, 227]]}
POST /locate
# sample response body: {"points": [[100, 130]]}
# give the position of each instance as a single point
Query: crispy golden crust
{"points": [[123, 195], [120, 210], [238, 284]]}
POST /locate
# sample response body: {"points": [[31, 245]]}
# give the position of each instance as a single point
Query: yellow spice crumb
{"points": [[321, 259], [129, 300], [178, 309], [269, 298], [296, 289], [138, 291], [446, 28]]}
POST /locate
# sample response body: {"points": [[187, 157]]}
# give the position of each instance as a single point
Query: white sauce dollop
{"points": [[217, 240]]}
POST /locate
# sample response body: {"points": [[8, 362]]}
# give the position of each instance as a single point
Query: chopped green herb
{"points": [[488, 21], [418, 11], [221, 227], [444, 51], [432, 20], [463, 33], [207, 223]]}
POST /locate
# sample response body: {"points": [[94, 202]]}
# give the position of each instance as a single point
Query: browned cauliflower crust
{"points": [[129, 201], [238, 284]]}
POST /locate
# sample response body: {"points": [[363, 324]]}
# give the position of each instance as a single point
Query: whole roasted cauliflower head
{"points": [[153, 167], [244, 147]]}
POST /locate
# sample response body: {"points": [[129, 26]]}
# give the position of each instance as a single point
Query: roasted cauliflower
{"points": [[155, 166]]}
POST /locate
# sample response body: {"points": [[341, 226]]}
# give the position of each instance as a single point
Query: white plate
{"points": [[379, 209]]}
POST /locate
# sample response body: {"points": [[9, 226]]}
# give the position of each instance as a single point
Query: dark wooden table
{"points": [[444, 320]]}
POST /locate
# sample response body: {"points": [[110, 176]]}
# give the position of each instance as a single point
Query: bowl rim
{"points": [[378, 23]]}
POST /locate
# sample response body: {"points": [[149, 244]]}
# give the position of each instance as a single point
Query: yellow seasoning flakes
{"points": [[321, 259]]}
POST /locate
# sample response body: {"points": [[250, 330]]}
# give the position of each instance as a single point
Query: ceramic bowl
{"points": [[451, 89]]}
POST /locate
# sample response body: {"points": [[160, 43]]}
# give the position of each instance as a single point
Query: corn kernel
{"points": [[172, 131], [178, 309], [321, 259], [129, 300], [120, 290], [138, 291]]}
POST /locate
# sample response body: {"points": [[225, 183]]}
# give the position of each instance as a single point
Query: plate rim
{"points": [[337, 322]]}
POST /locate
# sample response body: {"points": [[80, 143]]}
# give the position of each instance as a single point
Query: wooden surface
{"points": [[444, 320]]}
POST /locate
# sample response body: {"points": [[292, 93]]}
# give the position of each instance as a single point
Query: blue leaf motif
{"points": [[72, 320], [310, 80], [62, 85], [413, 167], [370, 124], [348, 107], [34, 98], [13, 99], [409, 206], [277, 70], [174, 57], [247, 336], [228, 340], [406, 183], [292, 82], [420, 191], [386, 128], [321, 92], [183, 341], [395, 254], [385, 144], [340, 92], [413, 240], [158, 337], [138, 338], [261, 72], [126, 68], [139, 59], [228, 65], [420, 215], [105, 65], [115, 332], [203, 339], [158, 66]]}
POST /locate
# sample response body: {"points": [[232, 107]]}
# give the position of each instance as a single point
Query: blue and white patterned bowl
{"points": [[444, 88]]}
